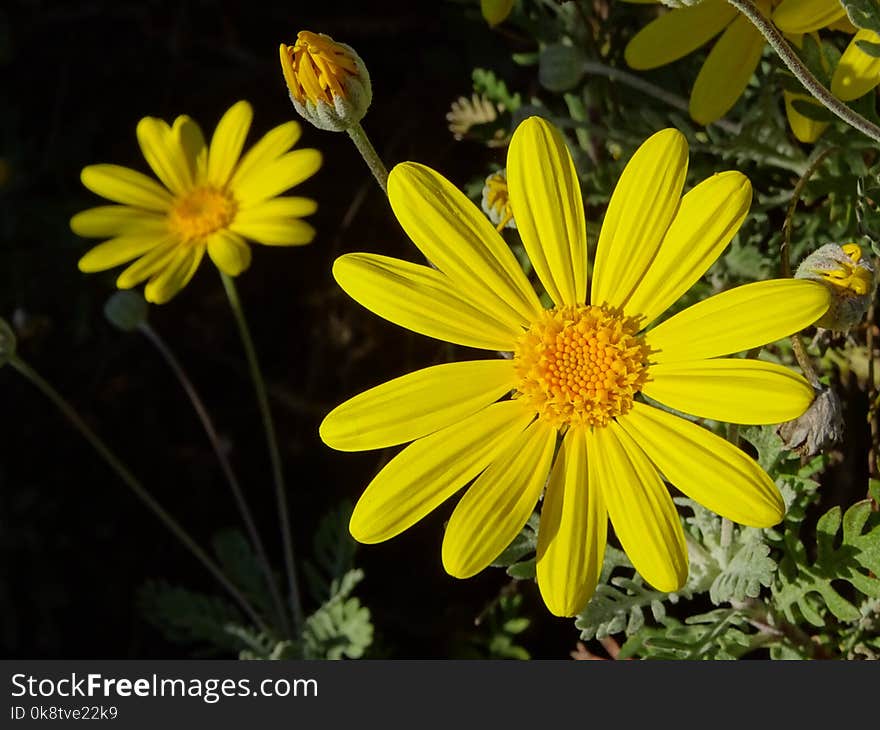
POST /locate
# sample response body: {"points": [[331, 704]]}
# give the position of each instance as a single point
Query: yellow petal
{"points": [[192, 144], [420, 299], [274, 231], [641, 510], [429, 471], [228, 141], [168, 282], [707, 218], [705, 467], [289, 207], [277, 176], [805, 129], [455, 236], [739, 319], [639, 212], [110, 220], [416, 404], [677, 33], [730, 389], [493, 511], [857, 72], [727, 71], [127, 186], [162, 151], [120, 250], [268, 148], [229, 252], [573, 531], [150, 264], [545, 197], [805, 16]]}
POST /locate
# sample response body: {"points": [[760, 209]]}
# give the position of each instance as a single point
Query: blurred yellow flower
{"points": [[580, 371], [495, 11], [211, 198], [734, 58]]}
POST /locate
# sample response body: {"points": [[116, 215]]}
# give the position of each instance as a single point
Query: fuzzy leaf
{"points": [[810, 588]]}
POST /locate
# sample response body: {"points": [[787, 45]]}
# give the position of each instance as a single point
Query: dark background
{"points": [[75, 545]]}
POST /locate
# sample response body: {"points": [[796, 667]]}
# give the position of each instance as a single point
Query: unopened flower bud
{"points": [[496, 201], [328, 82], [849, 275], [126, 310], [7, 342], [819, 427]]}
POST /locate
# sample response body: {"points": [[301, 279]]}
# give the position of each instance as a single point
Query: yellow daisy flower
{"points": [[581, 370], [857, 72], [211, 198], [731, 63]]}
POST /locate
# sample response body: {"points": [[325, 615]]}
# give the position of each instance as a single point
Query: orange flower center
{"points": [[316, 68], [580, 365], [202, 212]]}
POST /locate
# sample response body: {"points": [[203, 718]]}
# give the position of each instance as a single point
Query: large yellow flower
{"points": [[585, 370], [212, 200], [734, 58], [857, 72]]}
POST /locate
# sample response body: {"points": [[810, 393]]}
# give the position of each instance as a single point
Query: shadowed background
{"points": [[75, 544]]}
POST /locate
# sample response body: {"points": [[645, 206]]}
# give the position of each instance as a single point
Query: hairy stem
{"points": [[803, 74], [272, 443], [371, 157], [139, 490], [237, 492]]}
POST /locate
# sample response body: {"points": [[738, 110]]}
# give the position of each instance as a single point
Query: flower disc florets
{"points": [[202, 212], [580, 365]]}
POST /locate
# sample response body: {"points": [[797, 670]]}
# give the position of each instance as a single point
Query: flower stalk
{"points": [[368, 152], [135, 485], [272, 444], [803, 74], [241, 502]]}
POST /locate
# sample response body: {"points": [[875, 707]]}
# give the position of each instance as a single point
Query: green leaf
{"points": [[721, 635], [863, 13], [333, 552], [872, 49], [486, 82], [809, 588], [812, 110], [341, 627], [190, 618], [560, 67]]}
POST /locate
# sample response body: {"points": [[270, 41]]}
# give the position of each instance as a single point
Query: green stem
{"points": [[371, 157], [639, 84], [225, 466], [272, 443], [810, 82], [131, 481]]}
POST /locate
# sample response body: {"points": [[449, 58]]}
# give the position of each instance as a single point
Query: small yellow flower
{"points": [[212, 198], [733, 59], [580, 371], [327, 81], [849, 275], [857, 72], [496, 201]]}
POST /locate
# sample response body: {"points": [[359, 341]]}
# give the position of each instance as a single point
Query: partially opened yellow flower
{"points": [[585, 371], [211, 198], [857, 72], [731, 63]]}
